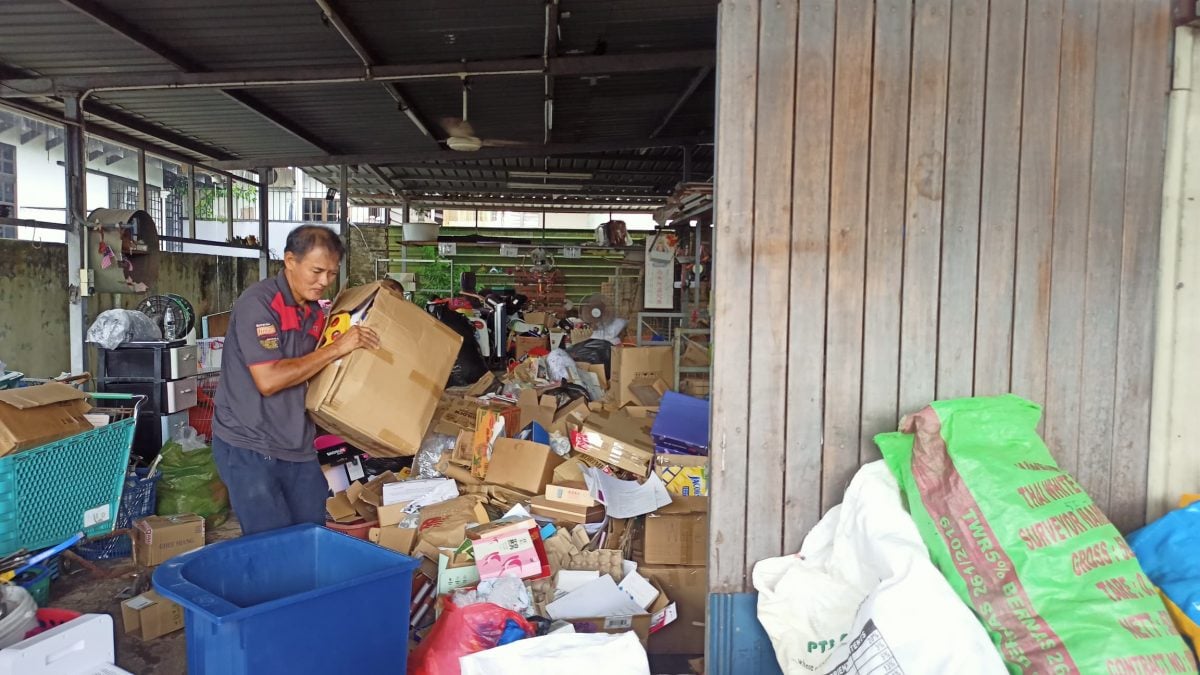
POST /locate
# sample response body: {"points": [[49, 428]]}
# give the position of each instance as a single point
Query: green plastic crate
{"points": [[73, 485]]}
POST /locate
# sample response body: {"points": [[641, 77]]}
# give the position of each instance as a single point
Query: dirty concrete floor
{"points": [[81, 591]]}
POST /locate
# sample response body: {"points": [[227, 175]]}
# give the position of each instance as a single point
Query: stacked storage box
{"points": [[163, 372]]}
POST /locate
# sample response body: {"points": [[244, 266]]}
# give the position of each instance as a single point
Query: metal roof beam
{"points": [[375, 171], [251, 78], [450, 156], [369, 61], [128, 30], [122, 118], [683, 98]]}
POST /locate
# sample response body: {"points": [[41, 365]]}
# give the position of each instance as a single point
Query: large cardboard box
{"points": [[150, 615], [688, 589], [34, 416], [157, 539], [616, 439], [677, 534], [630, 363], [522, 465], [382, 400]]}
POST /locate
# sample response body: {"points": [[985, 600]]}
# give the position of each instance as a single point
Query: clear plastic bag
{"points": [[432, 448], [116, 326]]}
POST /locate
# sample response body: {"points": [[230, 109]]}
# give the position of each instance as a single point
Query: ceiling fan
{"points": [[461, 135]]}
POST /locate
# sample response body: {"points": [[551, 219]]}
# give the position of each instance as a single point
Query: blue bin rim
{"points": [[169, 582]]}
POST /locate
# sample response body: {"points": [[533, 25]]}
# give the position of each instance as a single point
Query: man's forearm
{"points": [[272, 378]]}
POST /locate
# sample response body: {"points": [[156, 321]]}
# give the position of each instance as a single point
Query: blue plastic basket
{"points": [[137, 501], [264, 603], [72, 485]]}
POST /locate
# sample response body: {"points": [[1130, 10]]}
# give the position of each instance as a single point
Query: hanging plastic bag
{"points": [[850, 594], [460, 631], [1023, 544], [190, 483]]}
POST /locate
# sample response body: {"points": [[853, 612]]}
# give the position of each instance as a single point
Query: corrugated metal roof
{"points": [[351, 118], [50, 38], [229, 34], [208, 115], [447, 30]]}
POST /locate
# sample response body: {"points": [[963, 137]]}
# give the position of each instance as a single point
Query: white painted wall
{"points": [[1175, 410]]}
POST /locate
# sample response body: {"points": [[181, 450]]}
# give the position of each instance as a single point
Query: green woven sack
{"points": [[1023, 545]]}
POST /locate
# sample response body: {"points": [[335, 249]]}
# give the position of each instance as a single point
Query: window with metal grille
{"points": [[8, 188]]}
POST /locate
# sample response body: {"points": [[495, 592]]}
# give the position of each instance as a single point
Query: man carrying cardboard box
{"points": [[262, 437]]}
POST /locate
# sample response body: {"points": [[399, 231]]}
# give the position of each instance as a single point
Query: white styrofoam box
{"points": [[83, 646]]}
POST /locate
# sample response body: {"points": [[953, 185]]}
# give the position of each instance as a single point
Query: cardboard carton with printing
{"points": [[150, 616], [34, 416], [382, 400], [616, 439], [684, 475], [157, 539]]}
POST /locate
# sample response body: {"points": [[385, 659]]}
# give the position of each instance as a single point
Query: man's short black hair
{"points": [[307, 237]]}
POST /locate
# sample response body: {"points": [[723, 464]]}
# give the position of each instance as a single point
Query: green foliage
{"points": [[433, 277], [208, 197]]}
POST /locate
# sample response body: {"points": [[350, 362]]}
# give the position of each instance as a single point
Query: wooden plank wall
{"points": [[922, 199]]}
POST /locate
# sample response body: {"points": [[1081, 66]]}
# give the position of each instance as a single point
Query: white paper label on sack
{"points": [[509, 251], [96, 516], [572, 252], [447, 248]]}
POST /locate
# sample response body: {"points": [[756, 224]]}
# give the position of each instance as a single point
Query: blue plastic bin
{"points": [[279, 602]]}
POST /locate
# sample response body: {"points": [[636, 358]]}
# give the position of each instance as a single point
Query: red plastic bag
{"points": [[460, 631]]}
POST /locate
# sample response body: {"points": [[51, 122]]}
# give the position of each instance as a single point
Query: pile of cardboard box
{"points": [[157, 539], [568, 496]]}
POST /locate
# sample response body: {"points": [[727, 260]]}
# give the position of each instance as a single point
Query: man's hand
{"points": [[358, 337], [275, 376]]}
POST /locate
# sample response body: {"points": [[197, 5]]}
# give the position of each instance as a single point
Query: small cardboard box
{"points": [[150, 615], [629, 363], [677, 534], [537, 318], [157, 539], [525, 344], [684, 475], [339, 508], [399, 539], [616, 439], [33, 416], [522, 465], [458, 415], [579, 335], [648, 390], [688, 589], [382, 400], [567, 513], [570, 493]]}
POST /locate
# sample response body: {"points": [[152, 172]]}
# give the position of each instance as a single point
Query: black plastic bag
{"points": [[469, 366], [594, 351], [567, 392]]}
